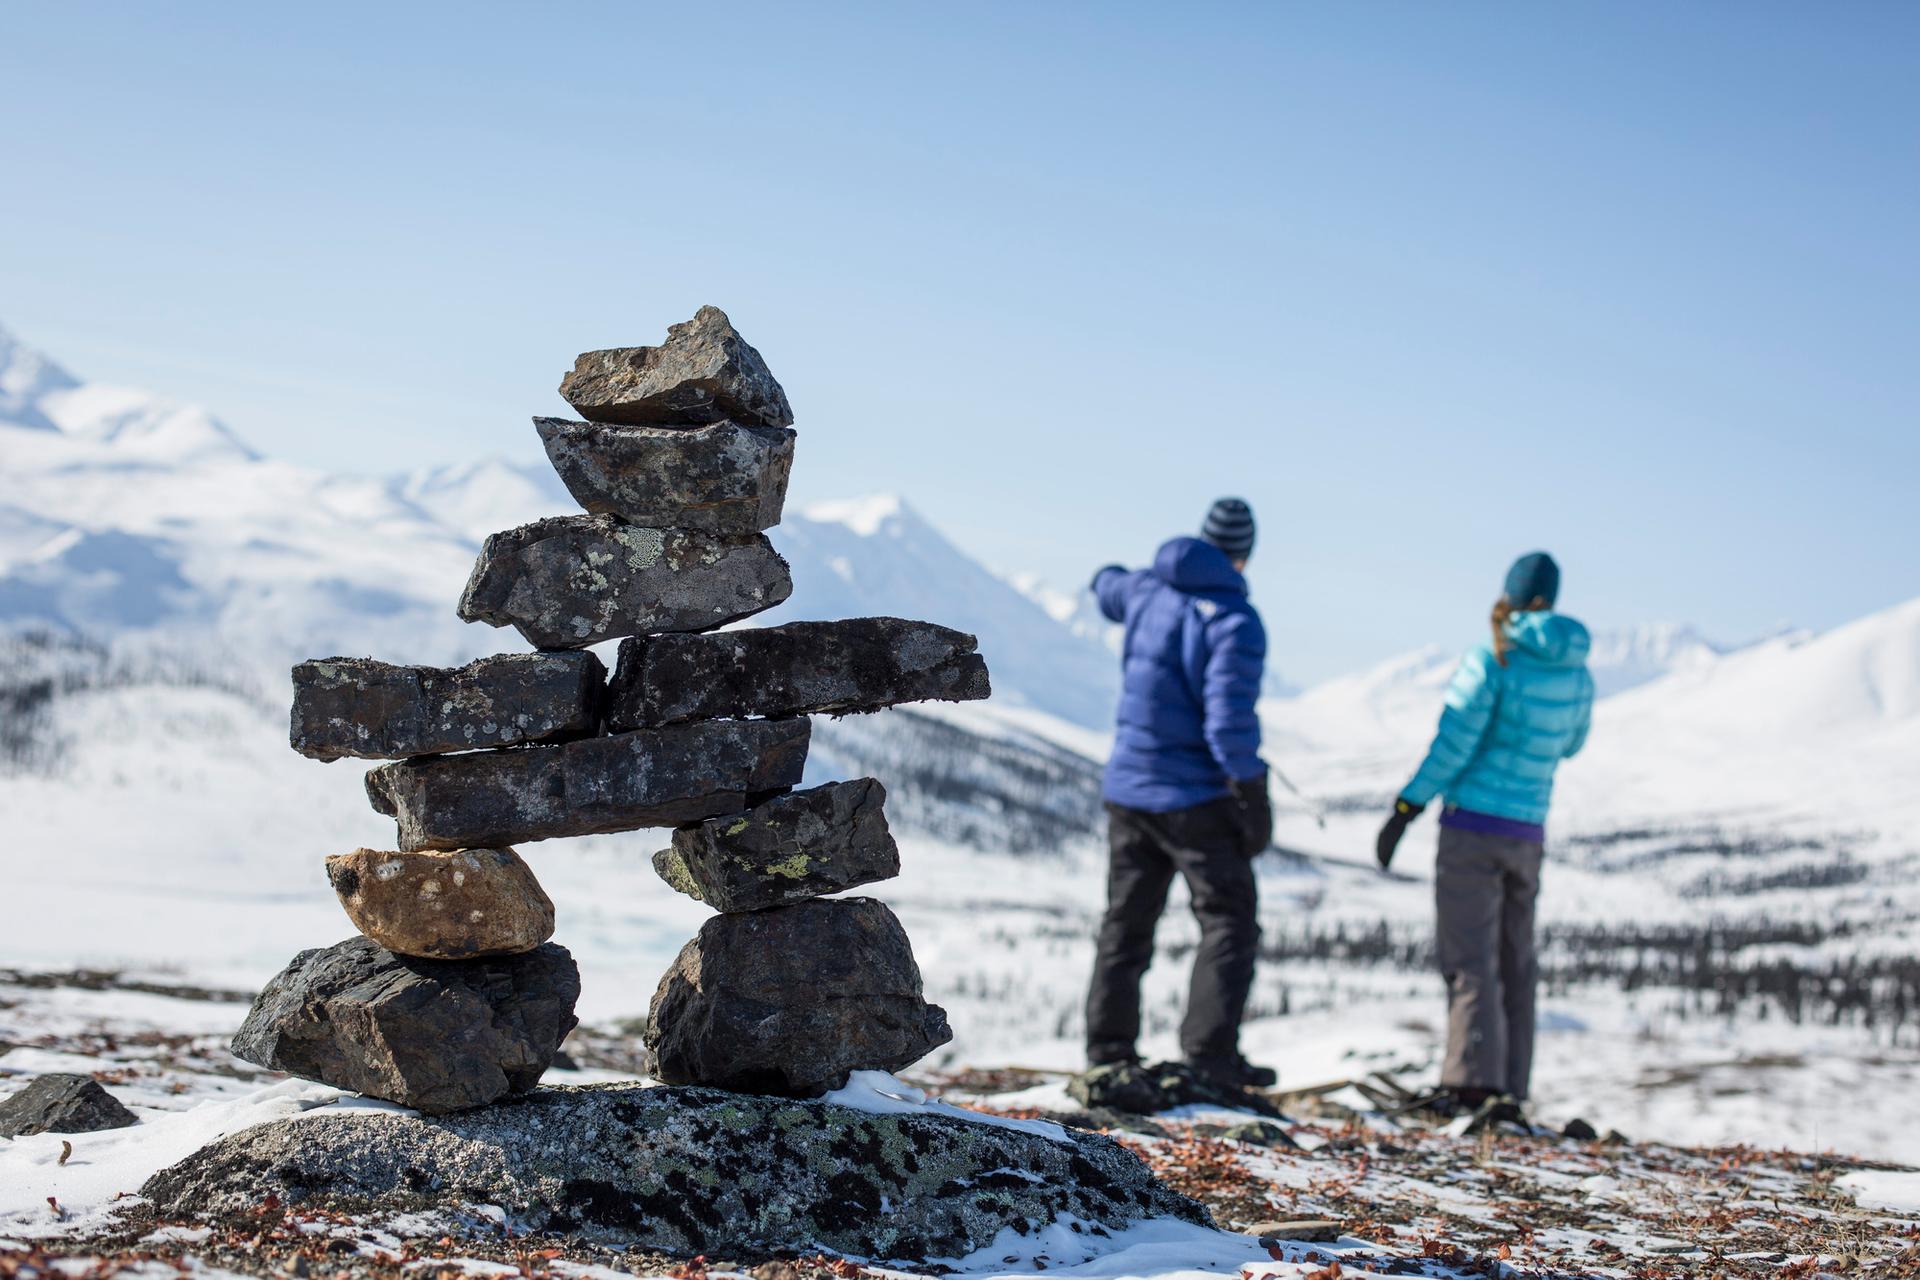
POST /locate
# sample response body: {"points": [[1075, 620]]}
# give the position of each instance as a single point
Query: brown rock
{"points": [[443, 905]]}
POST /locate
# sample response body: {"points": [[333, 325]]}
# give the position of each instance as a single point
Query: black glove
{"points": [[1404, 812], [1253, 812]]}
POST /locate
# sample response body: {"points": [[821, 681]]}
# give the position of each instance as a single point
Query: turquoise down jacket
{"points": [[1505, 729]]}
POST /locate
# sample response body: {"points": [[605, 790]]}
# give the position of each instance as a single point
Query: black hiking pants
{"points": [[1201, 844]]}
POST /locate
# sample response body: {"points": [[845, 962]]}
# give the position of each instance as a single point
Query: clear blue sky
{"points": [[1429, 284]]}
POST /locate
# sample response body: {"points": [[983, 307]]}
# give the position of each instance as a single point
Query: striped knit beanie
{"points": [[1229, 527]]}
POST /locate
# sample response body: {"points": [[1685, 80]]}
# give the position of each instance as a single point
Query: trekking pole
{"points": [[1318, 813]]}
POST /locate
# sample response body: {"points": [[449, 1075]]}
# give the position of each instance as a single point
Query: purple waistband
{"points": [[1489, 825]]}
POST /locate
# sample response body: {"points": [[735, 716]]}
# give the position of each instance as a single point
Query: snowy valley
{"points": [[1729, 915]]}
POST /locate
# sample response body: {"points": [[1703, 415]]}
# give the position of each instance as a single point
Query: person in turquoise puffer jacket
{"points": [[1516, 708]]}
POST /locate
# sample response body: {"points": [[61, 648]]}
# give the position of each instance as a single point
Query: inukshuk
{"points": [[454, 997]]}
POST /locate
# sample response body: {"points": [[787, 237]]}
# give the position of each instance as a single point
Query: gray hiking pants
{"points": [[1484, 888]]}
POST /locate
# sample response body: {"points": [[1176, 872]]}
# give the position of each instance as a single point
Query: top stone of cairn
{"points": [[704, 372]]}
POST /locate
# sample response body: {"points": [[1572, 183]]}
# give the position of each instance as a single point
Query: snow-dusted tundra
{"points": [[1730, 904]]}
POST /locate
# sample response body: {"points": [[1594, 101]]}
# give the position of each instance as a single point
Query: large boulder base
{"points": [[723, 478], [652, 778], [704, 372], [686, 1171], [441, 905], [789, 1001], [436, 1035], [379, 711], [792, 848], [570, 581], [801, 668], [62, 1102]]}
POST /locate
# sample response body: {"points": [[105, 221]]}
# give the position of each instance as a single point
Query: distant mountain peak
{"points": [[865, 516], [132, 428], [25, 377]]}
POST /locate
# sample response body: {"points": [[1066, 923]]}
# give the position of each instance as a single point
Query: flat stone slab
{"points": [[571, 581], [62, 1102], [792, 848], [801, 668], [651, 778], [440, 905], [789, 1001], [723, 478], [436, 1035], [379, 711], [685, 1171], [703, 372]]}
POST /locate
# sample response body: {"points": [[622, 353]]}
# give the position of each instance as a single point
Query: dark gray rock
{"points": [[788, 1001], [653, 778], [831, 668], [703, 372], [790, 849], [437, 1035], [685, 1171], [1147, 1089], [571, 581], [62, 1103], [724, 477], [379, 711]]}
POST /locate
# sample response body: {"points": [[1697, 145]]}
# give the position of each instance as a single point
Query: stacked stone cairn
{"points": [[454, 997]]}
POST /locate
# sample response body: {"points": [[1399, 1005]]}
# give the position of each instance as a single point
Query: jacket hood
{"points": [[1552, 638], [1189, 564]]}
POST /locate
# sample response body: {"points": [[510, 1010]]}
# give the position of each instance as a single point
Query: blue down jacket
{"points": [[1505, 729], [1190, 675]]}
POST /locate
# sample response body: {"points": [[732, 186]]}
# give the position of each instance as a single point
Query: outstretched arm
{"points": [[1463, 723]]}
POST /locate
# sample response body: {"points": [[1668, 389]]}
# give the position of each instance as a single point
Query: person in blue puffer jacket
{"points": [[1516, 708], [1185, 791]]}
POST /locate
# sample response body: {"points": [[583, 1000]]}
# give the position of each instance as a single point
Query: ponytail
{"points": [[1503, 611]]}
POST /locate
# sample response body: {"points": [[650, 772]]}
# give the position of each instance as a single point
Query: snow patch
{"points": [[882, 1094]]}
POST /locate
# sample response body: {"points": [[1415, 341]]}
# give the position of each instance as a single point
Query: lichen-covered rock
{"points": [[571, 581], [651, 778], [792, 848], [833, 668], [703, 372], [379, 711], [723, 477], [443, 905], [788, 1001], [62, 1102], [687, 1171], [436, 1035]]}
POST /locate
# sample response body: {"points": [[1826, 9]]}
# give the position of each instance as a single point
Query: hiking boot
{"points": [[1497, 1110], [1111, 1055], [1234, 1073]]}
